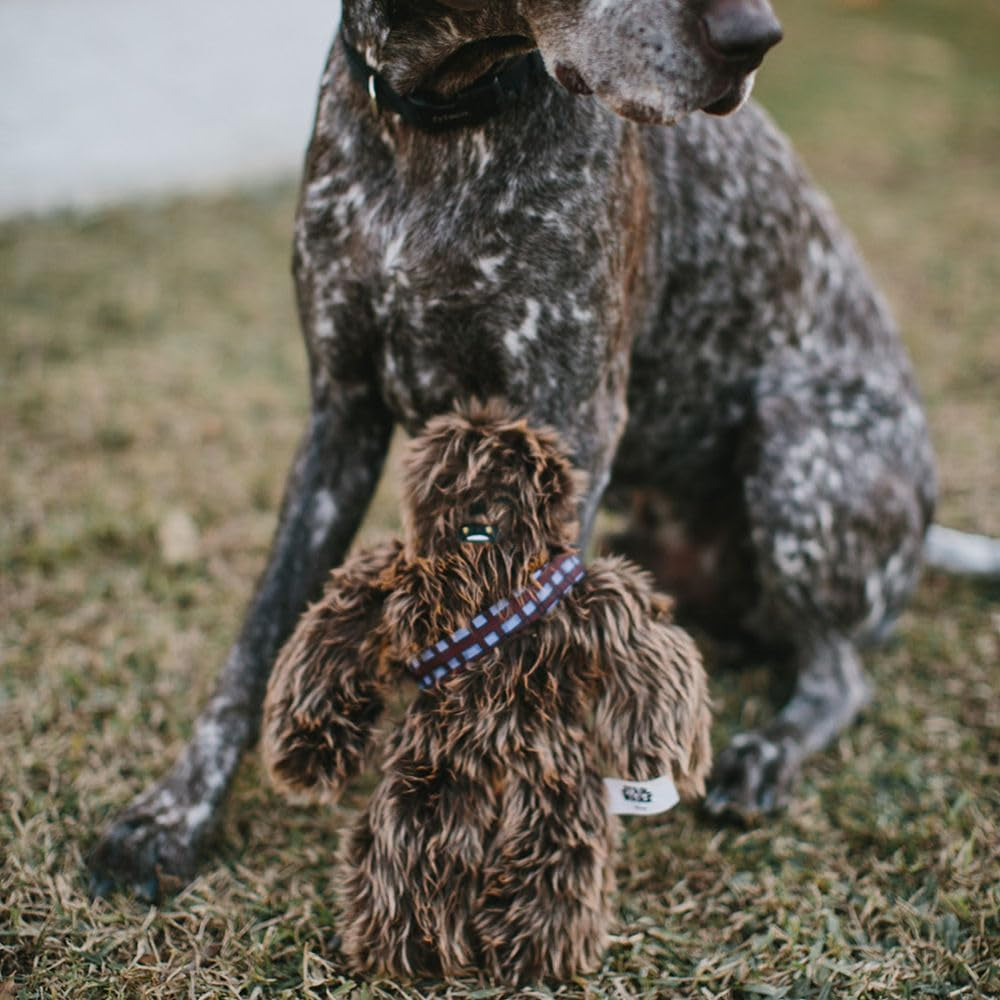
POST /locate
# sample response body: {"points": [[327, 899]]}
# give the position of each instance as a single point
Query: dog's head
{"points": [[652, 61], [482, 485]]}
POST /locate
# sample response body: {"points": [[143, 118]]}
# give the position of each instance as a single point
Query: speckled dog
{"points": [[680, 304], [488, 843]]}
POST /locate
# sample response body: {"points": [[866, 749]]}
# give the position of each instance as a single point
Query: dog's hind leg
{"points": [[154, 843], [839, 491]]}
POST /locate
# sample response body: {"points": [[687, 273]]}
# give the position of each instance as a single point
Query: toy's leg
{"points": [[547, 883], [379, 930], [410, 873]]}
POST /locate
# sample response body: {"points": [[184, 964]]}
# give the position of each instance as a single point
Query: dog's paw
{"points": [[150, 849], [754, 775]]}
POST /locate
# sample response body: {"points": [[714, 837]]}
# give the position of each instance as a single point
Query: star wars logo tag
{"points": [[637, 794], [641, 798]]}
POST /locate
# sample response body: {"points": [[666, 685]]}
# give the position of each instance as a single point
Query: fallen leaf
{"points": [[178, 538]]}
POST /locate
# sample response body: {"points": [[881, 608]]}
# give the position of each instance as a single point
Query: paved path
{"points": [[102, 100]]}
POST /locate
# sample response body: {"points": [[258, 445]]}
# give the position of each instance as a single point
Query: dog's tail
{"points": [[961, 553]]}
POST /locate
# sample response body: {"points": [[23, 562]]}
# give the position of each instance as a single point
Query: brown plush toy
{"points": [[489, 843]]}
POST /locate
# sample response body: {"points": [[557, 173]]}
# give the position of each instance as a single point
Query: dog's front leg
{"points": [[592, 436], [153, 845]]}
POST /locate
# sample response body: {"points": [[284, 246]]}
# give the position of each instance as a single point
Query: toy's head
{"points": [[482, 485]]}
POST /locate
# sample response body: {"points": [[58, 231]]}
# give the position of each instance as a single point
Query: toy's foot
{"points": [[151, 848], [754, 775]]}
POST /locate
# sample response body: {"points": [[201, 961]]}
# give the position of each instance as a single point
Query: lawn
{"points": [[152, 386]]}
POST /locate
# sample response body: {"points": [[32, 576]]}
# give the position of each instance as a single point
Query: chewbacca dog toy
{"points": [[489, 843]]}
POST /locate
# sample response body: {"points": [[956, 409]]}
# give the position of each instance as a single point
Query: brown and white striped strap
{"points": [[489, 628]]}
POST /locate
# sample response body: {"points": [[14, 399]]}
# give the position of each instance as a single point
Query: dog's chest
{"points": [[450, 320], [481, 283]]}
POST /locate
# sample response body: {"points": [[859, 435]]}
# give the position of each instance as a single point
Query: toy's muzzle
{"points": [[481, 534]]}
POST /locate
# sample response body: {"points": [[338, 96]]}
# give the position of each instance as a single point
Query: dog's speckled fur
{"points": [[488, 843], [679, 303]]}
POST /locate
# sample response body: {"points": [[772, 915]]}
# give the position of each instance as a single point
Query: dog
{"points": [[491, 206]]}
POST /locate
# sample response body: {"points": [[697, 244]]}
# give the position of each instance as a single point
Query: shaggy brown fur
{"points": [[488, 844]]}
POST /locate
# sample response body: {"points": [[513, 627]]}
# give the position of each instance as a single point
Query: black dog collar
{"points": [[486, 98]]}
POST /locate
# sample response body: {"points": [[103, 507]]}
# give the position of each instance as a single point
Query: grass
{"points": [[150, 372]]}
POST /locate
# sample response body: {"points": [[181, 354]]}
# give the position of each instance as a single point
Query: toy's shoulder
{"points": [[374, 567], [615, 582]]}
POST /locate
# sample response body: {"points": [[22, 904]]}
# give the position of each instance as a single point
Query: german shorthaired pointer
{"points": [[678, 302]]}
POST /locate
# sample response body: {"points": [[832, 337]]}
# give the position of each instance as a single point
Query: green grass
{"points": [[150, 364]]}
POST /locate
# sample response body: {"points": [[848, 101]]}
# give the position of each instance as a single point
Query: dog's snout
{"points": [[741, 31]]}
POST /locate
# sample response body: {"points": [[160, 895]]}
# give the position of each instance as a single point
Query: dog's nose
{"points": [[741, 31]]}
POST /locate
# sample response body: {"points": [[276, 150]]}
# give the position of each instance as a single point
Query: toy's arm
{"points": [[652, 711], [325, 693]]}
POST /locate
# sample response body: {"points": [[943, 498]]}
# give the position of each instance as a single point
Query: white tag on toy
{"points": [[641, 798]]}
